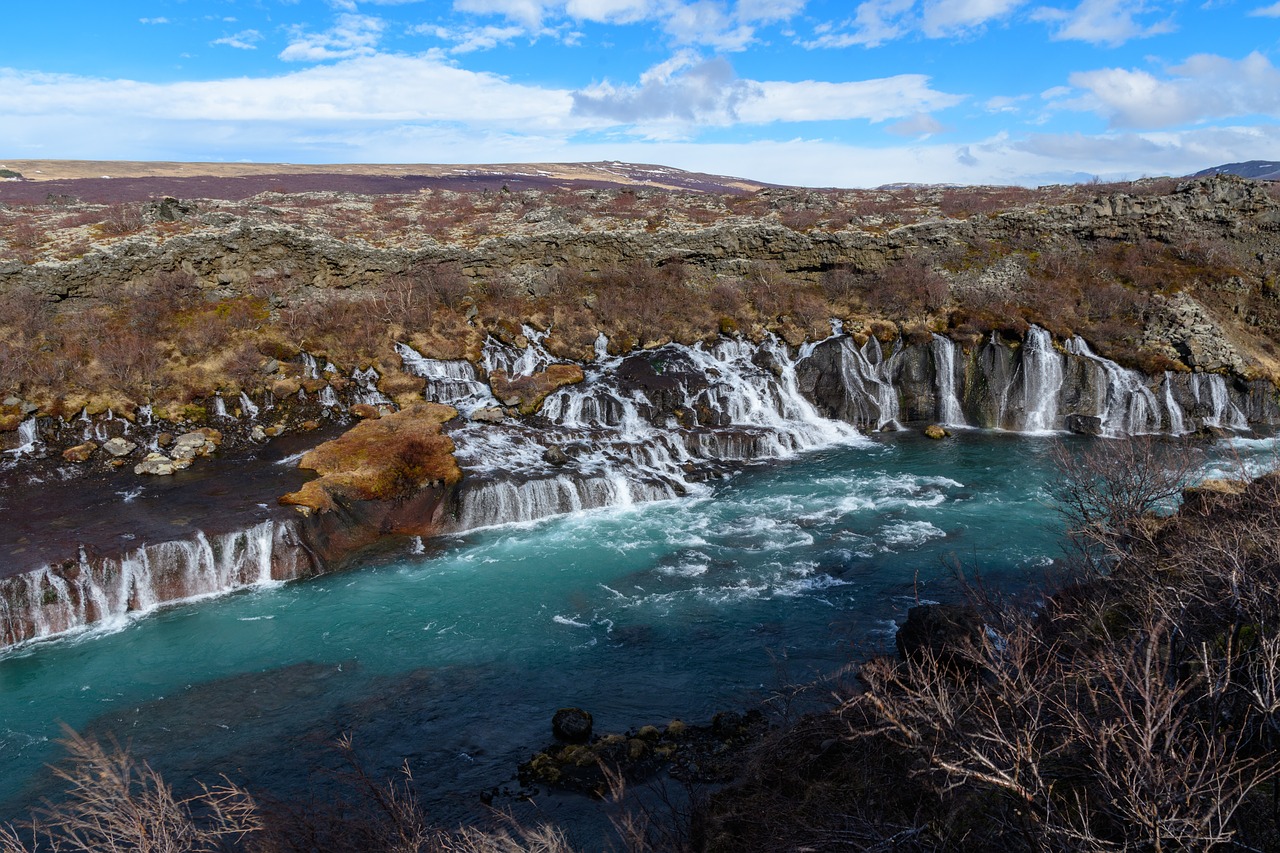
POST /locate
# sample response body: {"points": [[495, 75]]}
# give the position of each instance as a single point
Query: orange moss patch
{"points": [[528, 392], [383, 459]]}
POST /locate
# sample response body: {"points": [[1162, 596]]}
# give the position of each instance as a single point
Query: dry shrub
{"points": [[906, 288], [115, 803], [121, 220]]}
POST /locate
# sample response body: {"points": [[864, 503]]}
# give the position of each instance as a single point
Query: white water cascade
{"points": [[454, 383], [1219, 410], [1125, 405], [28, 439], [868, 379], [108, 592], [646, 426], [1041, 382], [950, 412], [1177, 425]]}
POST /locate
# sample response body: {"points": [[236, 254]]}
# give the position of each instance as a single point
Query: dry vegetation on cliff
{"points": [[169, 302]]}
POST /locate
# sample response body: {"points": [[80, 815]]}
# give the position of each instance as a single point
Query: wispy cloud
{"points": [[351, 35], [1105, 22], [243, 40], [154, 21]]}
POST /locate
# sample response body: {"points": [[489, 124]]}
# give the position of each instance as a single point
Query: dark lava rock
{"points": [[1084, 424], [555, 455], [950, 632], [571, 725]]}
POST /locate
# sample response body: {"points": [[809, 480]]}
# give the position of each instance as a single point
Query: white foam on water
{"points": [[909, 534]]}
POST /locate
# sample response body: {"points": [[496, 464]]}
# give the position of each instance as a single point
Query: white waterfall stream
{"points": [[641, 427], [1125, 405], [108, 592], [1041, 382], [1220, 411], [950, 412]]}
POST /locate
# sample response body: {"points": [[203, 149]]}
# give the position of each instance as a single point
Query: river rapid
{"points": [[453, 660]]}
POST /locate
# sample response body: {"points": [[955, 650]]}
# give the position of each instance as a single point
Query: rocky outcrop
{"points": [[229, 257], [526, 393], [384, 460]]}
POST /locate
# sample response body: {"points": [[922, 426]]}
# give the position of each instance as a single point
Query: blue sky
{"points": [[812, 92]]}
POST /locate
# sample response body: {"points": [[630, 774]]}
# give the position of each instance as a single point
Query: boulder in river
{"points": [[571, 725]]}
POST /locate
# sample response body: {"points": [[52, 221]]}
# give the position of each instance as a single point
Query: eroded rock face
{"points": [[526, 393], [387, 459]]}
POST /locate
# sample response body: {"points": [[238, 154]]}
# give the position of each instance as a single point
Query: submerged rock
{"points": [[571, 725], [935, 431]]}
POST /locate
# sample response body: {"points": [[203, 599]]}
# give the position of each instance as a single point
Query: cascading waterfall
{"points": [[28, 439], [367, 388], [453, 383], [248, 407], [641, 427], [1125, 405], [107, 592], [1220, 411], [1177, 426], [1041, 382], [950, 412], [868, 378]]}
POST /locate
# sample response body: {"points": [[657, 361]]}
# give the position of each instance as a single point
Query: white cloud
{"points": [[380, 88], [470, 39], [1272, 11], [527, 12], [610, 11], [920, 125], [154, 21], [874, 100], [243, 40], [351, 35], [1202, 88], [675, 95], [1004, 103], [1106, 22], [878, 21], [685, 91], [943, 18], [722, 24]]}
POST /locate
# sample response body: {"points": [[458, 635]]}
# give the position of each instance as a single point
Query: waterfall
{"points": [[310, 368], [453, 383], [28, 439], [1173, 411], [247, 406], [645, 426], [367, 387], [950, 411], [329, 398], [1125, 405], [109, 592], [499, 356], [1220, 411], [1041, 381], [867, 377], [219, 407]]}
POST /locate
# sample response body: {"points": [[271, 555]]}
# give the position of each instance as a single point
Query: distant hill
{"points": [[1265, 170], [109, 181]]}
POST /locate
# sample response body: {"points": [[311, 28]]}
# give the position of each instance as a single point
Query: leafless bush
{"points": [[1108, 493], [115, 804]]}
